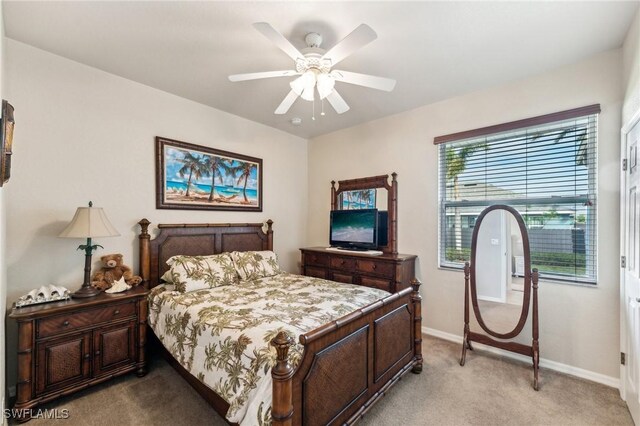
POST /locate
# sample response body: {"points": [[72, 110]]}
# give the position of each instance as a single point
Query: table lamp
{"points": [[88, 222]]}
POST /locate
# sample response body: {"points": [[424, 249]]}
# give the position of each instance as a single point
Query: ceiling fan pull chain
{"points": [[322, 106], [313, 116]]}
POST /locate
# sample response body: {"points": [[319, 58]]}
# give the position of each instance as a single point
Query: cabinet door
{"points": [[63, 362], [114, 347]]}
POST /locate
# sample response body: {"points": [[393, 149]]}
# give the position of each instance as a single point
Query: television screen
{"points": [[354, 228]]}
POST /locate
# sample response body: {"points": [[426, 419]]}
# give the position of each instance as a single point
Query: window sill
{"points": [[541, 280]]}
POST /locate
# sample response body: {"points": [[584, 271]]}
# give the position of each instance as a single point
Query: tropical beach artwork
{"points": [[356, 200], [196, 177]]}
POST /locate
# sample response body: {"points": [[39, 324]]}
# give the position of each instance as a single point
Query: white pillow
{"points": [[252, 265], [167, 277], [191, 273]]}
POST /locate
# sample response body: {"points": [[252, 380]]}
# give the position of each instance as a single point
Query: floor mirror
{"points": [[502, 287]]}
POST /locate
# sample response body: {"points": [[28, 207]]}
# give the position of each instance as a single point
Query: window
{"points": [[545, 167]]}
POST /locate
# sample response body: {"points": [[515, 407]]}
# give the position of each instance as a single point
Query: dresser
{"points": [[67, 346], [390, 272]]}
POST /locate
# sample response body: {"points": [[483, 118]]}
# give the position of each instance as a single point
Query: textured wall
{"points": [[83, 134], [579, 325], [631, 71]]}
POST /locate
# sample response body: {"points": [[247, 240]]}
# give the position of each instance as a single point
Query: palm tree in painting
{"points": [[218, 167], [365, 196], [243, 169], [193, 165]]}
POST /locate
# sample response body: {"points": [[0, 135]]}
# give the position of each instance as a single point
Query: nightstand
{"points": [[64, 347]]}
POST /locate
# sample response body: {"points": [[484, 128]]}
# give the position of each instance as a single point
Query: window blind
{"points": [[546, 171]]}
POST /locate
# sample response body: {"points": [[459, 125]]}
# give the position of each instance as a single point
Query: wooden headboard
{"points": [[196, 240]]}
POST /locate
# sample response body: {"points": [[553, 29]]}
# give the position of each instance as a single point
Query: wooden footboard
{"points": [[349, 363]]}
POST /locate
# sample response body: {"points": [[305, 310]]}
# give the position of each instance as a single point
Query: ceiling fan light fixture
{"points": [[303, 83], [325, 85], [308, 93]]}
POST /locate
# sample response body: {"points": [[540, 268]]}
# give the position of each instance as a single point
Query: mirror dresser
{"points": [[387, 270]]}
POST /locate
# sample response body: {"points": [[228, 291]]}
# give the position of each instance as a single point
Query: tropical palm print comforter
{"points": [[221, 335]]}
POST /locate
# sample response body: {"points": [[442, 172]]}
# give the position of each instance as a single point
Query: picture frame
{"points": [[195, 177], [358, 199], [7, 123]]}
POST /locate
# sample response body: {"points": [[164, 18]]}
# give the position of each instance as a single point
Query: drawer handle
{"points": [[65, 324], [374, 266], [86, 356], [116, 312], [97, 353]]}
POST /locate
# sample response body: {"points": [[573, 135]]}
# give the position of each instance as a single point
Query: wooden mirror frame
{"points": [[530, 286], [374, 182]]}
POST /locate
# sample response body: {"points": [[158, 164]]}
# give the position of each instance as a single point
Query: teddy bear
{"points": [[112, 270]]}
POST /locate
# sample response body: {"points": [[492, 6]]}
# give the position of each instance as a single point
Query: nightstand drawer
{"points": [[63, 323], [379, 268], [343, 263]]}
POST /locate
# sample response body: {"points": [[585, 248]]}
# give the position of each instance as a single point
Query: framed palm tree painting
{"points": [[196, 177], [6, 141]]}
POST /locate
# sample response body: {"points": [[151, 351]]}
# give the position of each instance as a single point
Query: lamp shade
{"points": [[89, 222]]}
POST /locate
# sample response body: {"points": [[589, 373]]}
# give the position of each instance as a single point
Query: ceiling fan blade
{"points": [[278, 39], [366, 80], [337, 102], [358, 38], [258, 75], [286, 103]]}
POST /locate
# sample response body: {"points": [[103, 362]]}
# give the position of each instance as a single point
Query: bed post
{"points": [[417, 323], [334, 202], [281, 373], [392, 208], [269, 234], [145, 239]]}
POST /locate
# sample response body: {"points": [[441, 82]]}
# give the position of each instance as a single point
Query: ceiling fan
{"points": [[314, 66]]}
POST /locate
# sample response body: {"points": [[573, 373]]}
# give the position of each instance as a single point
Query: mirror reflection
{"points": [[360, 199], [500, 269]]}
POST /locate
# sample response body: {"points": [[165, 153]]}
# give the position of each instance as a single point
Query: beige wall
{"points": [[3, 227], [579, 325], [631, 71], [83, 134]]}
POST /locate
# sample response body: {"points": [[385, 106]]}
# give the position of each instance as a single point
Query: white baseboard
{"points": [[613, 382]]}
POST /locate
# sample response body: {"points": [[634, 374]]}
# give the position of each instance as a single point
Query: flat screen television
{"points": [[354, 229]]}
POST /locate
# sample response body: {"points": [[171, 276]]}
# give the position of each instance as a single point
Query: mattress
{"points": [[222, 335]]}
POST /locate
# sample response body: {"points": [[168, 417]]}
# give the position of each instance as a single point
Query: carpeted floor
{"points": [[489, 390]]}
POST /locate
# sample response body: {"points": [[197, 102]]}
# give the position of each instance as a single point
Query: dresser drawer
{"points": [[71, 321], [311, 271], [342, 278], [379, 268], [316, 259], [343, 263], [376, 283]]}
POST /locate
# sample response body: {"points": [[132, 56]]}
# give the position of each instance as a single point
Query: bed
{"points": [[336, 371]]}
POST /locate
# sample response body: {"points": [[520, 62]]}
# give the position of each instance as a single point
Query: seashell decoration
{"points": [[49, 293]]}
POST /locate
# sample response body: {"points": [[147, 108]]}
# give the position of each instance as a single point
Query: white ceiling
{"points": [[435, 50]]}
